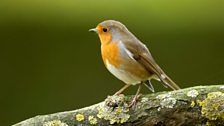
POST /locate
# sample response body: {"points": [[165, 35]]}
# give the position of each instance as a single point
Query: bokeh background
{"points": [[49, 62]]}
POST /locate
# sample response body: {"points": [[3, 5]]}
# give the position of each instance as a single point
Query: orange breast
{"points": [[111, 53]]}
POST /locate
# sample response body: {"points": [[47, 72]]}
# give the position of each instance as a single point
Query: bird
{"points": [[128, 59]]}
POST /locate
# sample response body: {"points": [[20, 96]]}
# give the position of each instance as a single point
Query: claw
{"points": [[136, 97], [134, 101]]}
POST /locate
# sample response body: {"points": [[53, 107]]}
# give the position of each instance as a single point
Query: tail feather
{"points": [[168, 82], [149, 85]]}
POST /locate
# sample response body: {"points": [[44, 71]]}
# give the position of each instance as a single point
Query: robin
{"points": [[128, 59]]}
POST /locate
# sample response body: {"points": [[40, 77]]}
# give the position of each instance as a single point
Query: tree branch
{"points": [[201, 105]]}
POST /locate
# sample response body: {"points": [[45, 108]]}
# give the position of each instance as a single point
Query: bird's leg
{"points": [[122, 89], [134, 100]]}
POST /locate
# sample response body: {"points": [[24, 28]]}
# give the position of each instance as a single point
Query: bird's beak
{"points": [[93, 30]]}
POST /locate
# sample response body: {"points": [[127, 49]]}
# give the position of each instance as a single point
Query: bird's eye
{"points": [[104, 29]]}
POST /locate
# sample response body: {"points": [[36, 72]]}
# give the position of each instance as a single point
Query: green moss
{"points": [[115, 110], [213, 106], [211, 123]]}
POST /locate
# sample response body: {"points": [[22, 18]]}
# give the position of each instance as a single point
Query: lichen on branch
{"points": [[201, 105]]}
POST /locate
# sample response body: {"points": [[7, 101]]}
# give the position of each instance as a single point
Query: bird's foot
{"points": [[134, 101]]}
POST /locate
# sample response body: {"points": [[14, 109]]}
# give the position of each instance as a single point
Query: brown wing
{"points": [[142, 55]]}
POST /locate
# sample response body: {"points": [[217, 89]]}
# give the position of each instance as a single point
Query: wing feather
{"points": [[142, 55]]}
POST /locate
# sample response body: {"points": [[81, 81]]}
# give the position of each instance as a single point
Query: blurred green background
{"points": [[49, 62]]}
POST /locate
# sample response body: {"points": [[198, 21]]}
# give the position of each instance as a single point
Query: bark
{"points": [[201, 105]]}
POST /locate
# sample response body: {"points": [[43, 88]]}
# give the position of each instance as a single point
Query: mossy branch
{"points": [[201, 105]]}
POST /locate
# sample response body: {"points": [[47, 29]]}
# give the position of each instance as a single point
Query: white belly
{"points": [[122, 75]]}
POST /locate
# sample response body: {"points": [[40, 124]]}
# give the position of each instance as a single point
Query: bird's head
{"points": [[110, 31]]}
